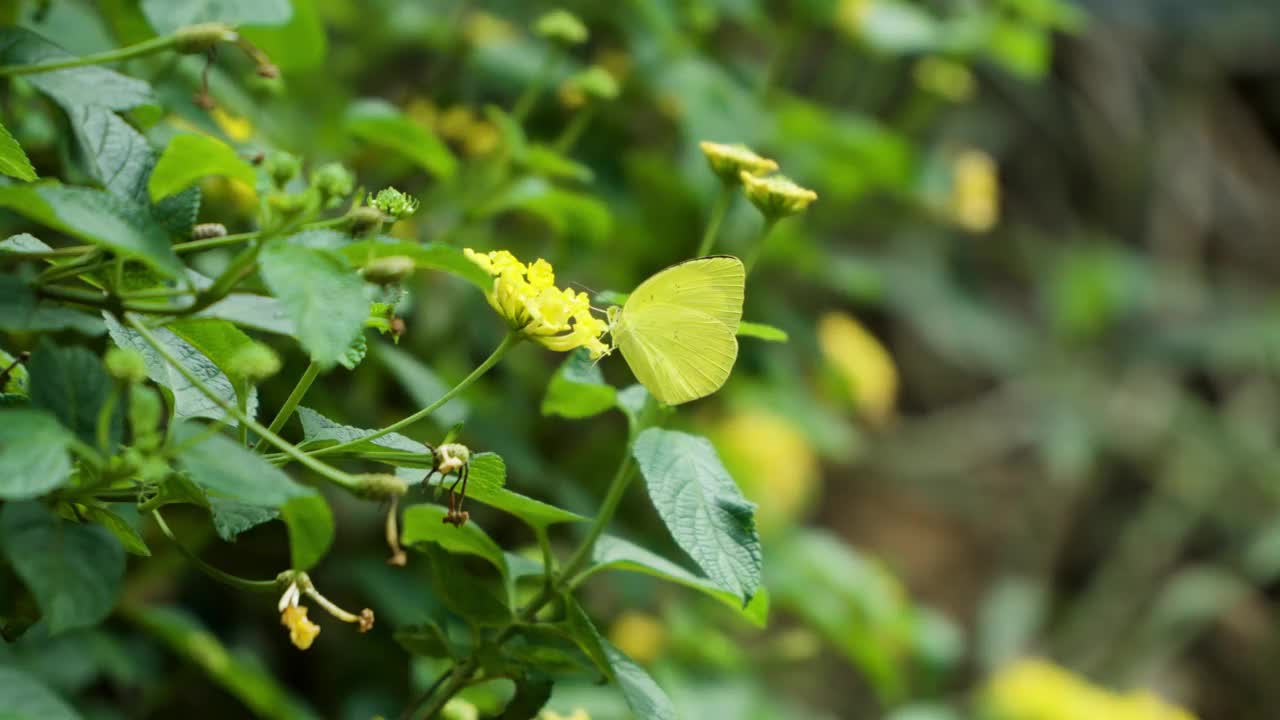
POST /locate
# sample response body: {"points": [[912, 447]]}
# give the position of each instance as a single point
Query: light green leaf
{"points": [[354, 355], [422, 384], [322, 295], [24, 243], [258, 312], [71, 383], [218, 341], [166, 16], [425, 524], [568, 213], [13, 161], [578, 389], [117, 154], [74, 571], [129, 538], [485, 483], [380, 123], [762, 332], [20, 311], [26, 698], [899, 27], [71, 87], [224, 468], [97, 217], [702, 507], [427, 256], [33, 454], [549, 163], [187, 158], [611, 553], [310, 523], [299, 45]]}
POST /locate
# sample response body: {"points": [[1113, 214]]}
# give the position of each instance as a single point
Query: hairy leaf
{"points": [[187, 158], [223, 468], [13, 161], [33, 453], [71, 383], [322, 295], [578, 389]]}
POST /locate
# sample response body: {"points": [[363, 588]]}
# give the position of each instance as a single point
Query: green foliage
{"points": [[311, 529], [224, 469], [379, 123], [72, 384], [13, 161], [578, 389], [34, 458], [322, 296], [187, 158], [26, 698]]}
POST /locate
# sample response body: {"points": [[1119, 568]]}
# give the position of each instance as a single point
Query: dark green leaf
{"points": [[322, 295], [71, 87], [26, 698], [20, 311], [380, 123], [222, 467], [702, 507], [478, 596], [187, 158], [310, 523], [166, 16], [71, 383], [128, 536], [428, 256], [73, 570], [425, 640], [33, 454], [578, 389], [232, 517], [533, 690], [642, 694], [425, 524], [118, 156], [320, 431], [13, 161]]}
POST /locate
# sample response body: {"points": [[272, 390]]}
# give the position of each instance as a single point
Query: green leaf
{"points": [[899, 27], [240, 676], [257, 312], [380, 123], [97, 217], [13, 161], [533, 690], [568, 213], [611, 553], [218, 341], [702, 507], [428, 256], [422, 384], [129, 538], [319, 431], [480, 597], [488, 474], [299, 45], [761, 331], [20, 311], [71, 87], [425, 524], [187, 158], [549, 163], [166, 16], [74, 571], [117, 154], [232, 517], [33, 454], [26, 698], [578, 389], [71, 383], [642, 694], [354, 355], [310, 523], [322, 295], [222, 467], [188, 400], [425, 640]]}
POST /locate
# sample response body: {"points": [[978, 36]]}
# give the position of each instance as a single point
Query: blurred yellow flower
{"points": [[862, 362], [578, 714], [733, 162], [1033, 689], [946, 78], [481, 28], [975, 191], [774, 463], [527, 298], [851, 14], [236, 128], [302, 632], [639, 635], [776, 196]]}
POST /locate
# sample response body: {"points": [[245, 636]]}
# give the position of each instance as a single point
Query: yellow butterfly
{"points": [[678, 329]]}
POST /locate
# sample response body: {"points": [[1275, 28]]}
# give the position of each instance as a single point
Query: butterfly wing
{"points": [[713, 285]]}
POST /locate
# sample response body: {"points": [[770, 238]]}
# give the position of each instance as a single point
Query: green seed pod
{"points": [[282, 167], [389, 270], [145, 414], [364, 220], [254, 362], [380, 486], [126, 364], [334, 182]]}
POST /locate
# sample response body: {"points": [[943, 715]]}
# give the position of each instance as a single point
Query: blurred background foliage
{"points": [[1028, 408]]}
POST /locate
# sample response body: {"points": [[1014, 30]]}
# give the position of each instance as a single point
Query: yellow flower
{"points": [[1033, 689], [302, 632], [578, 714], [236, 128], [975, 191], [639, 636], [732, 162], [773, 461], [863, 362], [851, 15], [947, 78], [776, 196], [527, 298]]}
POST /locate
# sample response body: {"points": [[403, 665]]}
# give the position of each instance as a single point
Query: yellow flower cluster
{"points": [[526, 297], [777, 196], [1039, 690]]}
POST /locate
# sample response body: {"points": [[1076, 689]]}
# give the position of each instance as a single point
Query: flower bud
{"points": [[594, 83], [776, 196], [196, 39], [563, 27], [254, 362], [379, 486], [283, 167], [287, 205], [394, 203], [389, 270], [731, 161], [334, 182], [126, 364], [364, 220]]}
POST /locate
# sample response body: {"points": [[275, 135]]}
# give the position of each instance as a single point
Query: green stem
{"points": [[146, 47], [326, 471], [226, 578], [524, 105], [578, 125], [548, 557], [613, 497], [724, 198], [242, 402], [507, 343], [197, 245], [105, 415], [753, 255], [291, 403]]}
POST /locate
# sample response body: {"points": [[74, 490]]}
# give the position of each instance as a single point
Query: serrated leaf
{"points": [[188, 400], [13, 161], [611, 553], [381, 123], [567, 212], [219, 341], [26, 698], [422, 384], [485, 483], [96, 217], [188, 158], [71, 383], [20, 311], [702, 507], [117, 154], [310, 524], [167, 16], [322, 295], [760, 331], [578, 389], [33, 453], [427, 256], [177, 213], [425, 524], [71, 87], [354, 355], [129, 538], [232, 517], [74, 571], [257, 312], [224, 468]]}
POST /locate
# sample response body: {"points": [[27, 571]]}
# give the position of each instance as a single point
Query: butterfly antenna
{"points": [[580, 286]]}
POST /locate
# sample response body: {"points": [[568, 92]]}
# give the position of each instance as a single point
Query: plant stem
{"points": [[146, 47], [326, 471], [524, 105], [754, 254], [721, 207], [507, 343], [196, 245], [613, 497], [569, 137], [235, 581], [291, 403]]}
